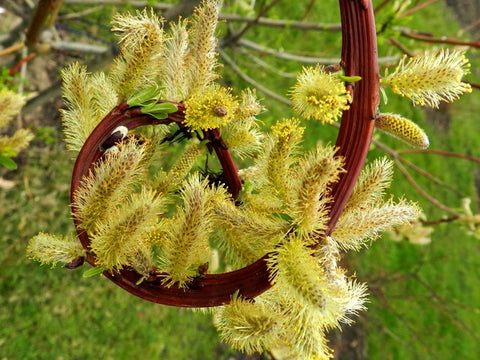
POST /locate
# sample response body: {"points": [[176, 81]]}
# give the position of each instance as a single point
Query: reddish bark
{"points": [[359, 57]]}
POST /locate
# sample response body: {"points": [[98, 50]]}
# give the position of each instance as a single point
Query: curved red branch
{"points": [[359, 57]]}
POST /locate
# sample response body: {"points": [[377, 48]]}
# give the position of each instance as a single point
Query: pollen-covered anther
{"points": [[320, 95]]}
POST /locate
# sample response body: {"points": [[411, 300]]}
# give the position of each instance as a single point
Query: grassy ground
{"points": [[424, 303]]}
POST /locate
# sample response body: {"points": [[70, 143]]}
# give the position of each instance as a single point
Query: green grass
{"points": [[424, 300]]}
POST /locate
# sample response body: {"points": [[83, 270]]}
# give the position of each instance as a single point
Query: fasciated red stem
{"points": [[359, 57]]}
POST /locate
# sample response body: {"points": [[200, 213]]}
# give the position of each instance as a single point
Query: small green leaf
{"points": [[248, 186], [159, 115], [283, 216], [143, 96], [349, 78], [93, 271], [7, 162], [235, 295], [159, 108], [159, 111]]}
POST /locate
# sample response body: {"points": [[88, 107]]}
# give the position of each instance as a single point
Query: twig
{"points": [[79, 47], [302, 59], [12, 49], [267, 66], [285, 55], [430, 39], [308, 9], [473, 85], [263, 21], [399, 45], [416, 8], [80, 14], [44, 15], [439, 152], [439, 221], [430, 176], [264, 9], [20, 64], [421, 191], [251, 81], [381, 6]]}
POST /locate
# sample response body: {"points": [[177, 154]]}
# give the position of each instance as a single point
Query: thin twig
{"points": [[285, 55], [12, 49], [416, 8], [430, 39], [439, 221], [263, 10], [308, 9], [439, 152], [430, 176], [278, 23], [381, 6], [421, 191], [80, 14], [251, 81], [267, 66], [400, 46], [302, 59]]}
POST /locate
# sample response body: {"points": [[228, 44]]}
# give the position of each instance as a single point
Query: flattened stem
{"points": [[359, 57], [206, 290]]}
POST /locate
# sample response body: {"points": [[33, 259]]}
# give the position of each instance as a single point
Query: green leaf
{"points": [[145, 95], [159, 111], [7, 162], [159, 108], [159, 116], [283, 216], [93, 271], [349, 78]]}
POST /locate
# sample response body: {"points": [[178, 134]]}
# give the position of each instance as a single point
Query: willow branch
{"points": [[45, 13], [439, 152], [395, 155], [431, 39], [251, 81], [422, 192], [285, 55], [359, 57], [416, 8]]}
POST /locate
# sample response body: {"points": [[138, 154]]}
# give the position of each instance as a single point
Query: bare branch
{"points": [[411, 34], [422, 192], [285, 55], [251, 81]]}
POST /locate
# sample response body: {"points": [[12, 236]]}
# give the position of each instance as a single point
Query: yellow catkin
{"points": [[320, 95], [141, 39], [201, 59], [249, 326], [403, 129], [50, 249], [430, 78], [173, 76], [10, 105]]}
